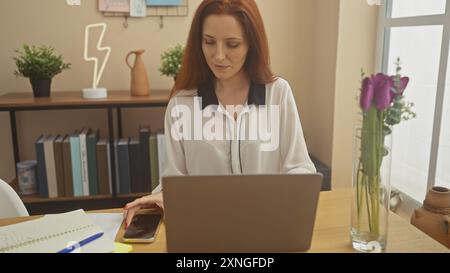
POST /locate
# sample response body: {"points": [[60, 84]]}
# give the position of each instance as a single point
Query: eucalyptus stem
{"points": [[358, 190], [368, 202]]}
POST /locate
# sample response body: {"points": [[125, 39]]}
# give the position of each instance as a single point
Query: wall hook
{"points": [[125, 21], [161, 21]]}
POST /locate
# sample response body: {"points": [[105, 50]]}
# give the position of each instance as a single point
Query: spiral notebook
{"points": [[53, 233]]}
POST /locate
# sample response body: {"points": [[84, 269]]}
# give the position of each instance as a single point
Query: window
{"points": [[410, 8], [417, 32], [443, 161]]}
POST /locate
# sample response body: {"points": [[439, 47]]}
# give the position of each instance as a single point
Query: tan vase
{"points": [[433, 217], [139, 79]]}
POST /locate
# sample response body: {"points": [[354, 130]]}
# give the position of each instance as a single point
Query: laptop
{"points": [[240, 214]]}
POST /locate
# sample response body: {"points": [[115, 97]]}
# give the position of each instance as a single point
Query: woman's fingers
{"points": [[125, 212], [144, 202], [133, 204], [131, 208], [160, 202], [129, 216]]}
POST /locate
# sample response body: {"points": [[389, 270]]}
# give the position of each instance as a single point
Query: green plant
{"points": [[39, 62], [171, 61]]}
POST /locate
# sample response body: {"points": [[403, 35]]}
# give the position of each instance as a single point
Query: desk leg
{"points": [[112, 151], [119, 121], [12, 117]]}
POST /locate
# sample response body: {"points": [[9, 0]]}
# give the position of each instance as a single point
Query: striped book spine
{"points": [[59, 165], [50, 166], [91, 143], [84, 162], [67, 158], [76, 164]]}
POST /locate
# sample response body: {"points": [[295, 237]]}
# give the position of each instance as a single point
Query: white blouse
{"points": [[202, 137]]}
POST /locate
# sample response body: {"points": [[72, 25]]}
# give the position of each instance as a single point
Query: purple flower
{"points": [[403, 84], [383, 94], [366, 94], [398, 90], [378, 90]]}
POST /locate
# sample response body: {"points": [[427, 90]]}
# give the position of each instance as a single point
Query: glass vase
{"points": [[370, 190]]}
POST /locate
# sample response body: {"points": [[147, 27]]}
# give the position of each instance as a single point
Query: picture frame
{"points": [[114, 6]]}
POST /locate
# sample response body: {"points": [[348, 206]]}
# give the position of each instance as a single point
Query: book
{"points": [[103, 167], [76, 164], [124, 166], [59, 165], [116, 164], [84, 161], [110, 178], [41, 169], [161, 155], [53, 233], [153, 147], [144, 159], [135, 168], [67, 166], [50, 166], [91, 143]]}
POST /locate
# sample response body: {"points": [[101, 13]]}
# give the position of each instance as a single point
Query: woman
{"points": [[226, 63]]}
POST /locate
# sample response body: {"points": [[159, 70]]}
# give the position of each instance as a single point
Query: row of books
{"points": [[79, 164]]}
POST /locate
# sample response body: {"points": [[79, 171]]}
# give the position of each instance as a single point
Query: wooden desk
{"points": [[331, 233]]}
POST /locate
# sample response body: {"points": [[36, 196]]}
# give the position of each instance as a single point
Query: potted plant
{"points": [[171, 61], [40, 65]]}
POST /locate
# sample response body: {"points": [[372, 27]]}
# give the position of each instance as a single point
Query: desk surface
{"points": [[331, 232]]}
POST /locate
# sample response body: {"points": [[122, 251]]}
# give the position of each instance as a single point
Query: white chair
{"points": [[10, 203]]}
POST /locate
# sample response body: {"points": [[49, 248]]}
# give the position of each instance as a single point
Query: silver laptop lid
{"points": [[250, 213]]}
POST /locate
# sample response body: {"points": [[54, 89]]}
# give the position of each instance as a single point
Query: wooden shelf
{"points": [[25, 100], [133, 195], [34, 199], [68, 100]]}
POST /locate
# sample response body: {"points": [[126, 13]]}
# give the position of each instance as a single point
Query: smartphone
{"points": [[143, 228]]}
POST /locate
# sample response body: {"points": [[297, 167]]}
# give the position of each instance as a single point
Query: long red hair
{"points": [[194, 69]]}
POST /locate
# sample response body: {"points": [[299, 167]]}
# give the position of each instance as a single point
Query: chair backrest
{"points": [[10, 203]]}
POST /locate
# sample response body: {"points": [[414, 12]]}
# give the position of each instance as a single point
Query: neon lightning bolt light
{"points": [[95, 92]]}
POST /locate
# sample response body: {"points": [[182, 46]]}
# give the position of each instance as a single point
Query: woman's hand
{"points": [[146, 202]]}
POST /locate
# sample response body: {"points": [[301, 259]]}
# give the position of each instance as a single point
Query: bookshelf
{"points": [[117, 100]]}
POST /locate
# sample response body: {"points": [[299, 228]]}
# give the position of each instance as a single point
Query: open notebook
{"points": [[53, 233]]}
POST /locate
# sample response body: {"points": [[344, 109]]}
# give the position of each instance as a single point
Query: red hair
{"points": [[194, 69]]}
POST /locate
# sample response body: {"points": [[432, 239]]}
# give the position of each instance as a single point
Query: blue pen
{"points": [[81, 243]]}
